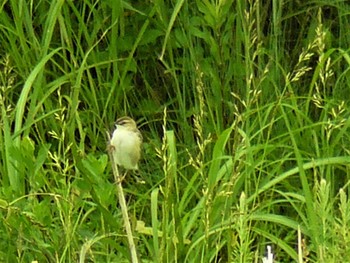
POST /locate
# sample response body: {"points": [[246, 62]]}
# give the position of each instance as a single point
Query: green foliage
{"points": [[244, 110]]}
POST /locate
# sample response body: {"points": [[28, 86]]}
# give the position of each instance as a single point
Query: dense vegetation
{"points": [[244, 110]]}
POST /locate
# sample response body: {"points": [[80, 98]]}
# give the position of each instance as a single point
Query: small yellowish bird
{"points": [[126, 143]]}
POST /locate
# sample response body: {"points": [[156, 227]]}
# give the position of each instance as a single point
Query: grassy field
{"points": [[244, 109]]}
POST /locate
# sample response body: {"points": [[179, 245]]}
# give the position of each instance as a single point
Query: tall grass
{"points": [[244, 110]]}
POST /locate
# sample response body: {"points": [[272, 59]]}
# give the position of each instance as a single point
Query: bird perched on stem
{"points": [[126, 143], [124, 150]]}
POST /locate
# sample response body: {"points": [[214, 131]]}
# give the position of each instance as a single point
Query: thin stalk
{"points": [[118, 180]]}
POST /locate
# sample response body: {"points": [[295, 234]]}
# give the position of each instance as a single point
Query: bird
{"points": [[126, 143]]}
